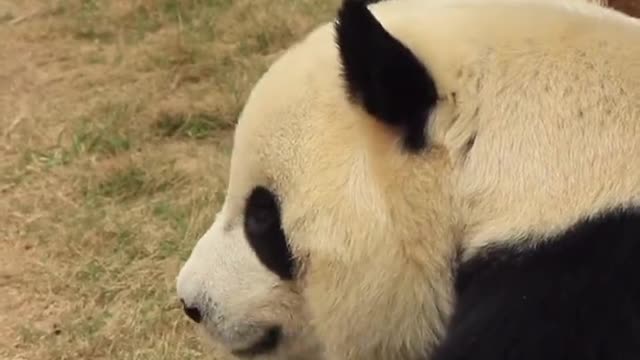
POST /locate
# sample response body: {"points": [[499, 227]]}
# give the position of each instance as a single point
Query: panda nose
{"points": [[192, 312]]}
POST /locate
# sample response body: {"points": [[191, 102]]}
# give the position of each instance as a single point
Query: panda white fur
{"points": [[434, 179]]}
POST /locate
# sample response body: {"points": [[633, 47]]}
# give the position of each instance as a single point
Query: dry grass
{"points": [[115, 123]]}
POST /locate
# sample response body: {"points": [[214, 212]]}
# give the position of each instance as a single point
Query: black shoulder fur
{"points": [[575, 296]]}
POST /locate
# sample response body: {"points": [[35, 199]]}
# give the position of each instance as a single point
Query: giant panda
{"points": [[438, 180]]}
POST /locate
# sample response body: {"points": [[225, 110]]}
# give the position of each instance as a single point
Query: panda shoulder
{"points": [[573, 295]]}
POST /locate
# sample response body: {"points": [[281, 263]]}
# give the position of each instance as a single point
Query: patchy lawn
{"points": [[115, 124]]}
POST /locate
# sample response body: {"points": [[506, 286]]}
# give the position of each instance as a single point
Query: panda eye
{"points": [[261, 215], [263, 228]]}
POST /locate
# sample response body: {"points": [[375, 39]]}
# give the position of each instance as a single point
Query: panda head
{"points": [[371, 149], [325, 225]]}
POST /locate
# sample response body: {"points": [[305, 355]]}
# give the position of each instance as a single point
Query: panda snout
{"points": [[243, 339], [192, 311]]}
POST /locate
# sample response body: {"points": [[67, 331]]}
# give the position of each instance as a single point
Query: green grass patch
{"points": [[130, 183], [127, 244], [50, 157], [93, 271], [124, 184], [106, 133], [93, 20], [174, 215], [178, 220], [195, 126], [29, 334], [89, 23], [93, 324], [103, 141]]}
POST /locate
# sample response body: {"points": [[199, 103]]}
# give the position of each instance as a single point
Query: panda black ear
{"points": [[383, 75]]}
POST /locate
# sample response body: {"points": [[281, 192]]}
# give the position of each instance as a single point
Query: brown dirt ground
{"points": [[115, 120]]}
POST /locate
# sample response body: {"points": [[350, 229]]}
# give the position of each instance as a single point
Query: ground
{"points": [[115, 125]]}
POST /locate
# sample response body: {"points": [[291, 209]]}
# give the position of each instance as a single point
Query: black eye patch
{"points": [[262, 225]]}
